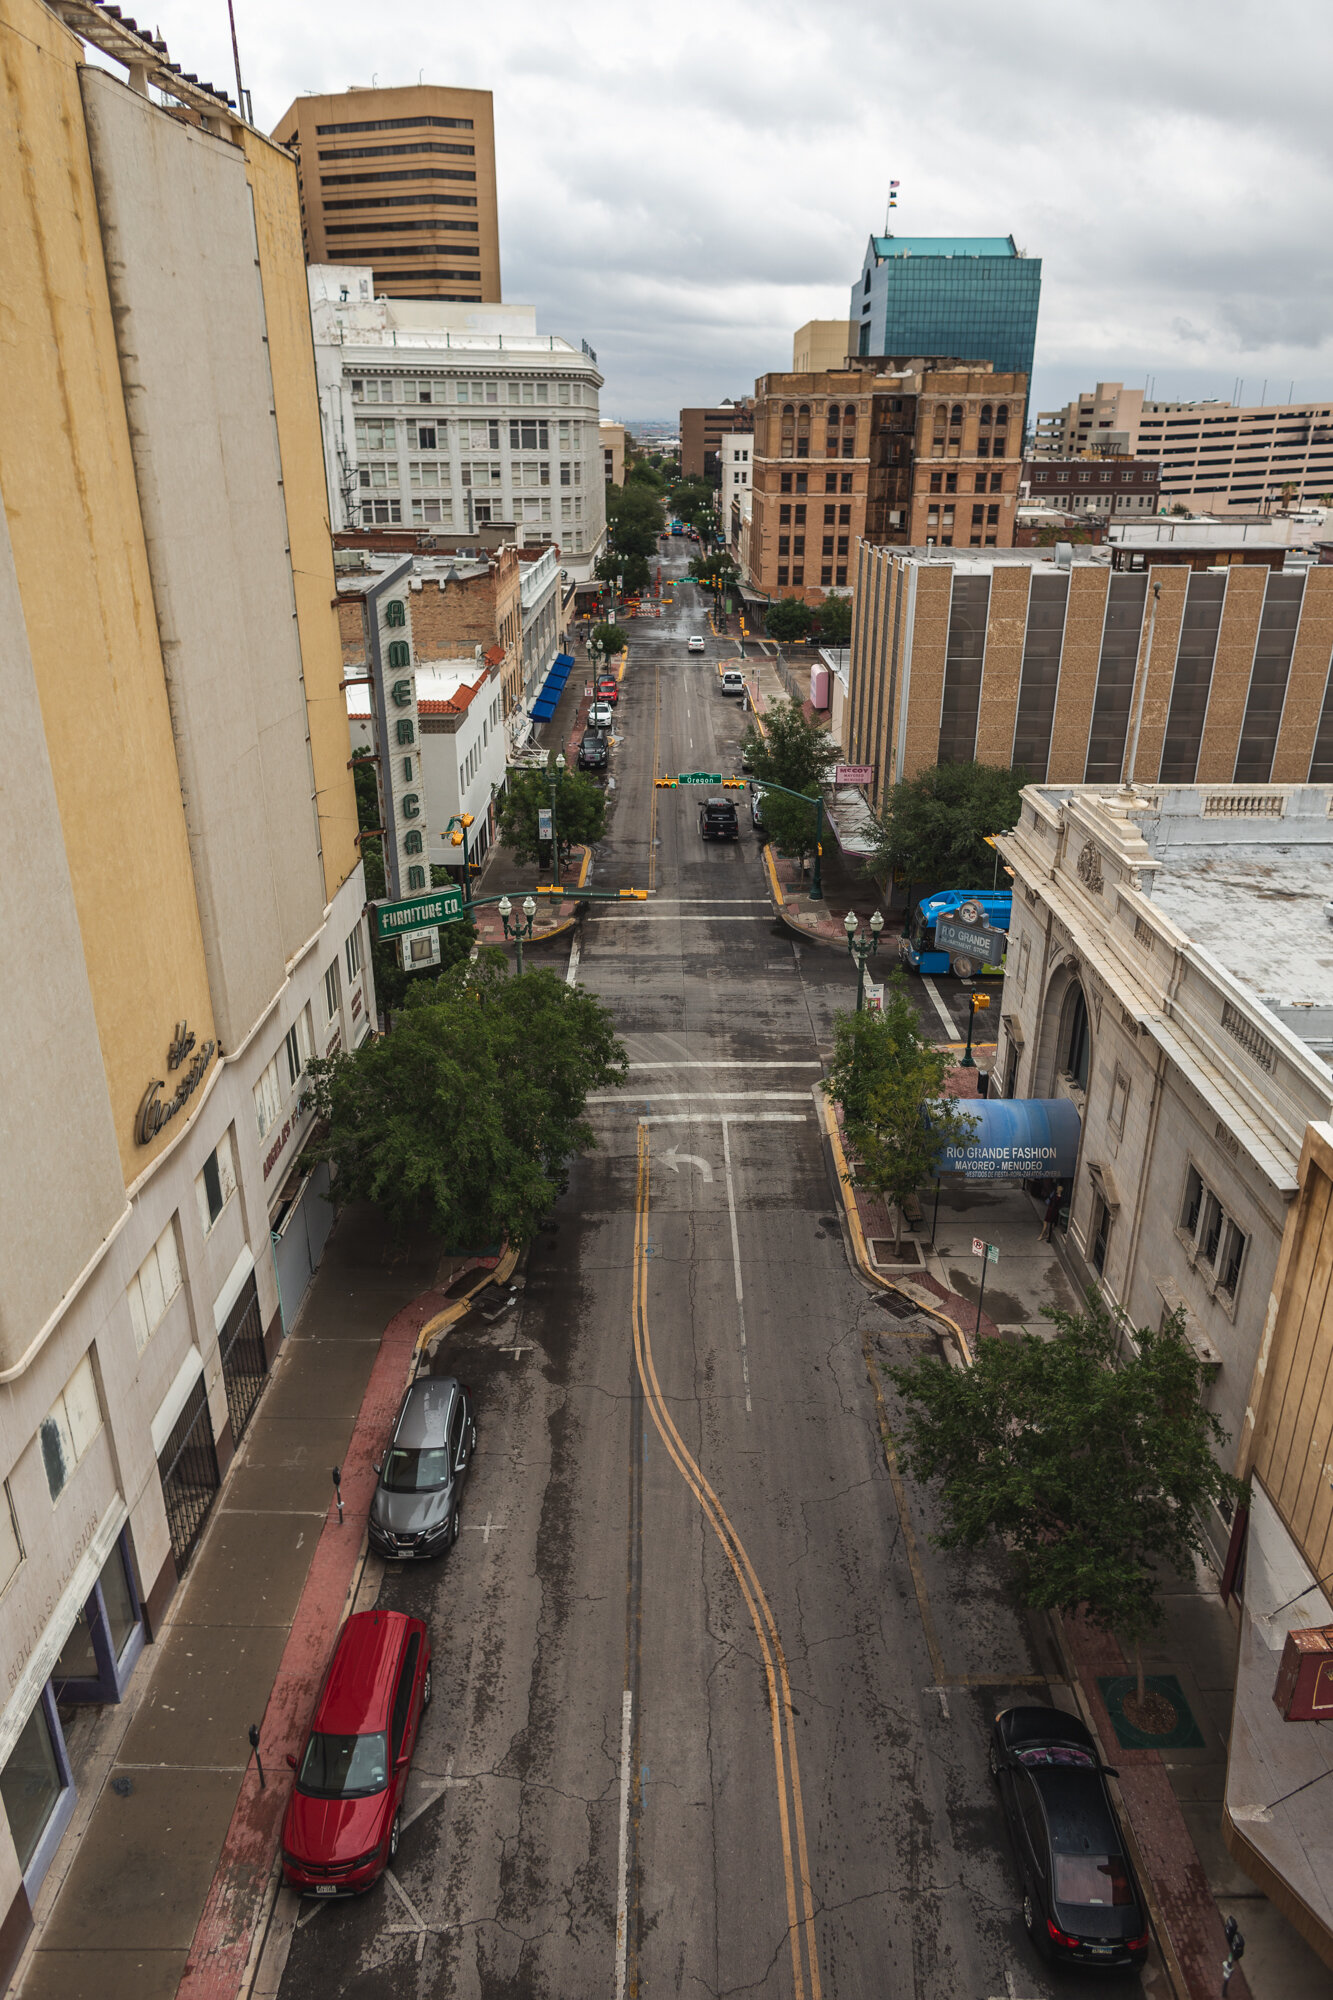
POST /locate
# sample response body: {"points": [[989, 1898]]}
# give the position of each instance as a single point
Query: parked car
{"points": [[733, 681], [608, 689], [1081, 1904], [414, 1511], [756, 816], [718, 821], [694, 644], [593, 755], [601, 715], [344, 1817]]}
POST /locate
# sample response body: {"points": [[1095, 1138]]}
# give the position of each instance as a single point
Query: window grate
{"points": [[1249, 1037], [1144, 934]]}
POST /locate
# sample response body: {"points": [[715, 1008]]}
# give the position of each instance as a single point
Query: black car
{"points": [[592, 751], [1081, 1904], [718, 821], [415, 1508]]}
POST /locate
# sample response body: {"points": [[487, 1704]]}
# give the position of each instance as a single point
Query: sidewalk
{"points": [[136, 1901], [1171, 1797]]}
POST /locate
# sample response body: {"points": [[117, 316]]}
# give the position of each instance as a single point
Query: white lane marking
{"points": [[671, 1158], [686, 1096], [622, 1851], [485, 1529], [722, 1118], [938, 999], [572, 972], [727, 1063], [736, 1258]]}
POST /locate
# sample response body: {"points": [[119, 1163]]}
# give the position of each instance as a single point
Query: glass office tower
{"points": [[972, 298]]}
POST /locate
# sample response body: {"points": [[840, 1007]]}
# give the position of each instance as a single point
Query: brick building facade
{"points": [[457, 602], [701, 432]]}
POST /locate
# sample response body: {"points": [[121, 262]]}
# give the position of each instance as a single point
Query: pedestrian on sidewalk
{"points": [[1052, 1212]]}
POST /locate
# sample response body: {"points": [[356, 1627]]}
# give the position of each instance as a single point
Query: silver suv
{"points": [[415, 1508]]}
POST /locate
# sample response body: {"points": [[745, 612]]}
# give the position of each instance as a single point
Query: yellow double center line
{"points": [[791, 1812]]}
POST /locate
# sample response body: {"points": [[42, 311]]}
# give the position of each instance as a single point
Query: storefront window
{"points": [[31, 1784], [78, 1657], [99, 1655], [122, 1612]]}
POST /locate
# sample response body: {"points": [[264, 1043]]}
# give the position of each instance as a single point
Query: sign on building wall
{"points": [[397, 733], [853, 774]]}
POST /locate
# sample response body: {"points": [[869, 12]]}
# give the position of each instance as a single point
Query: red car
{"points": [[608, 688], [345, 1814]]}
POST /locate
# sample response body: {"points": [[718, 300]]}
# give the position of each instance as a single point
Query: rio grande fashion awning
{"points": [[1017, 1138]]}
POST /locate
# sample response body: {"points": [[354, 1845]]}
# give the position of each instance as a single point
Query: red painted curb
{"points": [[225, 1932]]}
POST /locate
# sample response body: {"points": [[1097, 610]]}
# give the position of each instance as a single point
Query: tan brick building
{"points": [[456, 602], [701, 432], [402, 180], [1018, 660], [910, 452]]}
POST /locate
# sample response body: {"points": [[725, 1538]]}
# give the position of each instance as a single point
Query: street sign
{"points": [[441, 906], [543, 822], [990, 1251], [976, 941], [700, 778]]}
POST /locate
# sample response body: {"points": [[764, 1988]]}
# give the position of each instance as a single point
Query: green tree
{"points": [[791, 750], [1180, 510], [691, 501], [631, 573], [886, 1076], [464, 1118], [1048, 537], [932, 828], [580, 813], [716, 572], [789, 825], [645, 473], [611, 638], [834, 619], [787, 618], [1092, 1461]]}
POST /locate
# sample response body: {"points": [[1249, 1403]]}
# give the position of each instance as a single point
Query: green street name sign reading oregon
{"points": [[699, 778], [441, 906]]}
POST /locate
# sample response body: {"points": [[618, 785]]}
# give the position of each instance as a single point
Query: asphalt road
{"points": [[710, 1711]]}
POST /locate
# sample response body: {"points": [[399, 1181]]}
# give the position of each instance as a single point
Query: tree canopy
{"points": [[634, 520], [1093, 1461], [580, 813], [392, 984], [464, 1118], [791, 750], [611, 638], [790, 825], [885, 1074], [834, 619], [691, 501], [716, 572], [788, 618], [932, 828]]}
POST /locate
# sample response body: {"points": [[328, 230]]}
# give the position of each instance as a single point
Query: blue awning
{"points": [[565, 660], [1017, 1138], [542, 711]]}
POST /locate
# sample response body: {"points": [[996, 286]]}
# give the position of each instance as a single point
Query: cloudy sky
{"points": [[685, 186]]}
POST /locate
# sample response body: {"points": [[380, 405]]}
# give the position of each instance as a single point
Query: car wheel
{"points": [[472, 1440], [455, 1527], [1032, 1927], [994, 1760], [426, 1691], [963, 968], [394, 1833]]}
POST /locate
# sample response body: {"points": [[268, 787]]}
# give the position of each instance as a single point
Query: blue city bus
{"points": [[988, 907]]}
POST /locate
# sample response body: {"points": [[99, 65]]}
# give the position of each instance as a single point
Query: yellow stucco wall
{"points": [[67, 485], [272, 176]]}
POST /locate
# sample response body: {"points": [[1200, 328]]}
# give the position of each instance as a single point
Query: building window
{"points": [[841, 576], [978, 516], [826, 575], [845, 515], [35, 1780], [299, 1046], [782, 575], [784, 513], [1101, 1232], [997, 482], [352, 952], [799, 517], [798, 576], [826, 548], [992, 517], [829, 513], [70, 1426], [1077, 1043], [1115, 1117], [830, 482], [153, 1286], [213, 1187], [980, 485], [1211, 1236], [798, 545], [801, 479], [268, 1099], [845, 484], [784, 545], [785, 482], [844, 539]]}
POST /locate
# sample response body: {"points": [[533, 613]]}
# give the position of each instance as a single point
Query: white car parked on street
{"points": [[694, 644]]}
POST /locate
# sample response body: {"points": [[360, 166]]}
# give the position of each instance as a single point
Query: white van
{"points": [[733, 682]]}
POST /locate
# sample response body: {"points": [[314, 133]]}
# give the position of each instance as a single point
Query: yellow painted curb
{"points": [[860, 1250], [457, 1307], [583, 870], [773, 876]]}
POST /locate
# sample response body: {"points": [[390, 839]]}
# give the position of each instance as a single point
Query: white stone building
{"points": [[443, 417], [1170, 970]]}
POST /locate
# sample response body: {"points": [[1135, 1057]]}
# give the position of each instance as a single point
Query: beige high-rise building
{"points": [[402, 180], [821, 344]]}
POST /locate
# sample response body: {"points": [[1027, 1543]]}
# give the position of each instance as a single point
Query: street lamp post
{"points": [[975, 1002], [862, 949], [555, 771], [520, 930], [457, 832]]}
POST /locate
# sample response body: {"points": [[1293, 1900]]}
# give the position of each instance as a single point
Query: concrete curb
{"points": [[223, 1956], [860, 1253]]}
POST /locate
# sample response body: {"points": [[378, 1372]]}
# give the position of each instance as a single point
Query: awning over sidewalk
{"points": [[552, 688], [1017, 1138], [851, 820]]}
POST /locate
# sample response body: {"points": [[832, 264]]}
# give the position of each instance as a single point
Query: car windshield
{"points": [[1091, 1879], [408, 1469], [344, 1767], [1056, 1753]]}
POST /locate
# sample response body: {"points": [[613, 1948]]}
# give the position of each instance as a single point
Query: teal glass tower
{"points": [[968, 298]]}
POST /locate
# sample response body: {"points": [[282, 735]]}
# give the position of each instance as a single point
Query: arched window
{"points": [[1077, 1040], [788, 409], [986, 413], [1001, 416], [849, 414], [956, 414], [805, 413], [833, 413]]}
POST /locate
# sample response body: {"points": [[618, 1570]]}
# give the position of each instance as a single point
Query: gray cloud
{"points": [[684, 188]]}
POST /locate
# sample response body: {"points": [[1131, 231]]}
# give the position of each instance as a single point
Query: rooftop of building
{"points": [[345, 312], [945, 246], [1246, 873]]}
